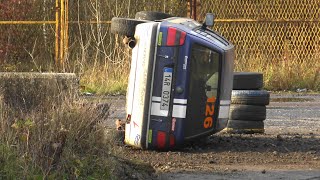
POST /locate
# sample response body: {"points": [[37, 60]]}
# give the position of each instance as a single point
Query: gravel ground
{"points": [[289, 149]]}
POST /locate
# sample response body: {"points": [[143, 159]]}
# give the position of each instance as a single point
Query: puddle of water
{"points": [[291, 99]]}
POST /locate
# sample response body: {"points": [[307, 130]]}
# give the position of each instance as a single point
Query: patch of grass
{"points": [[9, 162], [105, 80], [66, 142], [285, 74]]}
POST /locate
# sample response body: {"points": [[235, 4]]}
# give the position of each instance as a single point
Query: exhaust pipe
{"points": [[130, 41]]}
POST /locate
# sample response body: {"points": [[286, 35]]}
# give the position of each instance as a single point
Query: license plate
{"points": [[166, 88]]}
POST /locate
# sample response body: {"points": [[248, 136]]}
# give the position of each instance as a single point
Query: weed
{"points": [[105, 80], [65, 142], [286, 74]]}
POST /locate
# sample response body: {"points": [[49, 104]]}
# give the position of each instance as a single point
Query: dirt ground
{"points": [[289, 149]]}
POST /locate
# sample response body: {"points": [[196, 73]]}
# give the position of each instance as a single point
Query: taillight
{"points": [[172, 140], [161, 139], [175, 37]]}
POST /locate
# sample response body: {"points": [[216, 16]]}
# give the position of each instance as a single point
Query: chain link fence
{"points": [[26, 46], [270, 30], [27, 41], [280, 38], [90, 28], [270, 36]]}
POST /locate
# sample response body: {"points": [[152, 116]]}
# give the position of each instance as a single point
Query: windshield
{"points": [[203, 90], [205, 70]]}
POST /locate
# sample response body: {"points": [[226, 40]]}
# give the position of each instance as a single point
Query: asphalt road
{"points": [[299, 113]]}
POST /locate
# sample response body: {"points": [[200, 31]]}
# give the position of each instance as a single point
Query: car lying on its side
{"points": [[180, 80]]}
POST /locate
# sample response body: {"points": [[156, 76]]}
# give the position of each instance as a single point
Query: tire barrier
{"points": [[248, 104], [247, 81]]}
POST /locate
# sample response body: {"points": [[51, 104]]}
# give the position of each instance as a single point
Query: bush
{"points": [[65, 142]]}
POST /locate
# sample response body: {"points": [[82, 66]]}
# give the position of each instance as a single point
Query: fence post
{"points": [[62, 33], [194, 9], [57, 35], [66, 44]]}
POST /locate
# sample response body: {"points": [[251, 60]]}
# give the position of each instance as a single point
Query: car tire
{"points": [[125, 26], [151, 15], [247, 112], [247, 81], [244, 127], [250, 97]]}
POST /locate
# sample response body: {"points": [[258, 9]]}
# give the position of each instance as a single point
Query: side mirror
{"points": [[209, 22]]}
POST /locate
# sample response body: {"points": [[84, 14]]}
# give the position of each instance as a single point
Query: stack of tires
{"points": [[248, 104]]}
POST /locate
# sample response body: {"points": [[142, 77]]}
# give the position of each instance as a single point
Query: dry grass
{"points": [[65, 142], [63, 137], [106, 80], [285, 74]]}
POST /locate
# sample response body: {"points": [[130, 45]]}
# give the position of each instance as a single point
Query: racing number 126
{"points": [[208, 122]]}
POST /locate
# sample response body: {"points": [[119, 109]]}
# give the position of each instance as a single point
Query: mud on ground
{"points": [[289, 149]]}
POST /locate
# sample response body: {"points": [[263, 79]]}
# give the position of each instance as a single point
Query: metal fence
{"points": [[269, 31], [40, 34], [262, 30]]}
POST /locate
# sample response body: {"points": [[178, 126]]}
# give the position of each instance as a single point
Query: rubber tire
{"points": [[250, 97], [125, 26], [247, 81], [247, 112], [244, 127], [151, 15]]}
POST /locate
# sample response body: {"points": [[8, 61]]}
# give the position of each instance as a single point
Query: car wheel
{"points": [[124, 26]]}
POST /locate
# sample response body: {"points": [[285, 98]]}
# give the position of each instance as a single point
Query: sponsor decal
{"points": [[160, 39], [174, 120], [185, 62], [137, 140], [150, 136], [135, 125], [208, 122]]}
